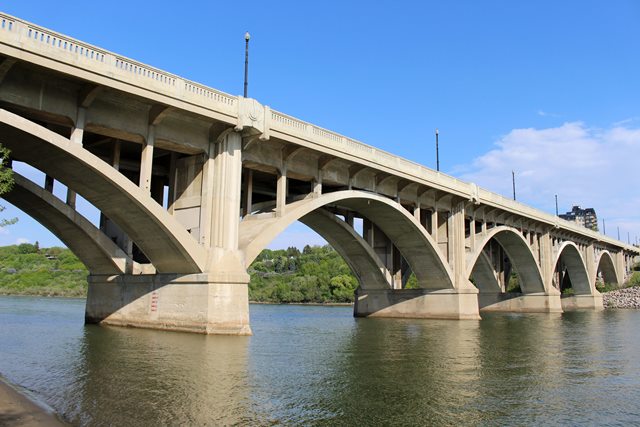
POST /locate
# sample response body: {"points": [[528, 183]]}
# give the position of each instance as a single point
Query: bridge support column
{"points": [[191, 303], [458, 304]]}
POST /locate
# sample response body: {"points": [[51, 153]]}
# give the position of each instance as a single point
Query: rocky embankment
{"points": [[622, 298]]}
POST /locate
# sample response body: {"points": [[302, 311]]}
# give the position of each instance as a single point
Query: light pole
{"points": [[556, 205], [513, 181], [604, 227], [247, 36], [437, 152]]}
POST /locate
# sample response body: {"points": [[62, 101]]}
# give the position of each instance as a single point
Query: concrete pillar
{"points": [[456, 238], [349, 218], [317, 185], [226, 195], [281, 192], [590, 261], [77, 134], [472, 233], [146, 159], [367, 231], [434, 224], [48, 183], [248, 192], [115, 155], [621, 273], [172, 182], [546, 259], [206, 201]]}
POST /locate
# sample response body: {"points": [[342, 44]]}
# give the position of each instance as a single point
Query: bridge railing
{"points": [[300, 129], [49, 44]]}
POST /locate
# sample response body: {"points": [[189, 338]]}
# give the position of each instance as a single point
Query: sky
{"points": [[547, 89]]}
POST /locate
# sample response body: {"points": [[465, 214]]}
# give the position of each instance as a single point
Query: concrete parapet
{"points": [[520, 303], [579, 302], [417, 303], [189, 303]]}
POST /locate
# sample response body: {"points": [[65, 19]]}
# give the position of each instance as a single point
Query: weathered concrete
{"points": [[582, 302], [189, 303], [459, 304], [521, 303]]}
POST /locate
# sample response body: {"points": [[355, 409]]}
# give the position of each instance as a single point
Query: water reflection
{"points": [[140, 377], [406, 372]]}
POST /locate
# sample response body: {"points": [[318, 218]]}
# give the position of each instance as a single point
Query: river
{"points": [[320, 366]]}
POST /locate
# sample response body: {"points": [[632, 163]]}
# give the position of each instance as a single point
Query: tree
{"points": [[6, 182]]}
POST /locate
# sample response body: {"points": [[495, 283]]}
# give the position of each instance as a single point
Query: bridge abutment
{"points": [[459, 304], [199, 303]]}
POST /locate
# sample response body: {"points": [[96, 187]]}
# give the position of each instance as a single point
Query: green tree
{"points": [[6, 181]]}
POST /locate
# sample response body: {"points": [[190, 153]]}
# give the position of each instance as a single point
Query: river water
{"points": [[320, 366]]}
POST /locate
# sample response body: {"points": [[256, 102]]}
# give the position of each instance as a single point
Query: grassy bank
{"points": [[27, 269]]}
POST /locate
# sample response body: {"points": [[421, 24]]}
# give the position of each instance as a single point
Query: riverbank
{"points": [[17, 410], [622, 298]]}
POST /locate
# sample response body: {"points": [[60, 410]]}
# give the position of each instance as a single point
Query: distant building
{"points": [[584, 217]]}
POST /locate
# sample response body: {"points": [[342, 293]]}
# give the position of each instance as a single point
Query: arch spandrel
{"points": [[518, 251], [413, 242], [162, 239]]}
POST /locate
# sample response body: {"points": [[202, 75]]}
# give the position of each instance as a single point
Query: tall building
{"points": [[584, 217]]}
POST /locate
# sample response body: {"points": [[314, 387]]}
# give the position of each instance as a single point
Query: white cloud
{"points": [[584, 166], [21, 240]]}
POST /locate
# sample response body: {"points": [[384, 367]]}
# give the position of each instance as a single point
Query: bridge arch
{"points": [[360, 257], [576, 268], [484, 275], [518, 251], [606, 266], [162, 239], [411, 239], [96, 251]]}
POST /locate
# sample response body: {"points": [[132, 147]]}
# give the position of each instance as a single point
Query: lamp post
{"points": [[437, 152], [556, 205], [247, 36], [604, 227], [513, 182]]}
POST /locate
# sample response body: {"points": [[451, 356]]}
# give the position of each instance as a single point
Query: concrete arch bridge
{"points": [[193, 183]]}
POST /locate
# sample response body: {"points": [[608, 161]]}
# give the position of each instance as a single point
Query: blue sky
{"points": [[549, 89]]}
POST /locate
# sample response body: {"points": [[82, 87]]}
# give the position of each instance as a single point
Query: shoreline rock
{"points": [[622, 298]]}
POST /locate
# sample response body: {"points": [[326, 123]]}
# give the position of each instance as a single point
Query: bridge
{"points": [[192, 183]]}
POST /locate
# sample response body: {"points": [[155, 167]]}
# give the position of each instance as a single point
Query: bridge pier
{"points": [[173, 302], [539, 302], [579, 302], [456, 304]]}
